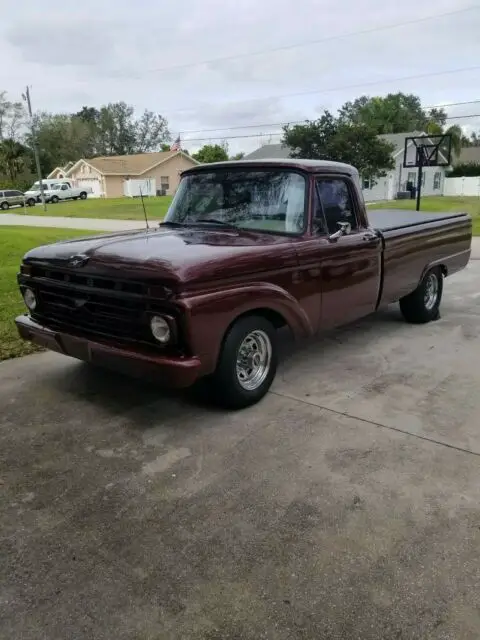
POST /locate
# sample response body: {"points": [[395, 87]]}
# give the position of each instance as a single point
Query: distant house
{"points": [[106, 175], [467, 155], [385, 188]]}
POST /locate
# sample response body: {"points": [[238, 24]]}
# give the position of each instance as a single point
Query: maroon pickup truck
{"points": [[246, 248]]}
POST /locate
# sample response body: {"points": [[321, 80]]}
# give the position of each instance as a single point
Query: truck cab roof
{"points": [[311, 166]]}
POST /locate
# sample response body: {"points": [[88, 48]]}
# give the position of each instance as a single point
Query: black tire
{"points": [[31, 202], [227, 388], [83, 195], [423, 304], [54, 199], [4, 206]]}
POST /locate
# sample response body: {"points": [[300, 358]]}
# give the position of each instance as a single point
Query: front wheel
{"points": [[4, 206], [54, 199], [31, 202], [247, 363], [83, 196], [423, 304]]}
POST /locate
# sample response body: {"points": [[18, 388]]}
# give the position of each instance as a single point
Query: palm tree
{"points": [[456, 133], [13, 158]]}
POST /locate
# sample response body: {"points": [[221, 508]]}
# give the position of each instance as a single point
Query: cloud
{"points": [[164, 57]]}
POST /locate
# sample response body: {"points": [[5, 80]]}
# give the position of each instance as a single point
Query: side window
{"points": [[336, 203], [64, 187], [9, 194]]}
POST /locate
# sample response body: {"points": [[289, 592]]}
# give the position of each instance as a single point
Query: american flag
{"points": [[176, 146]]}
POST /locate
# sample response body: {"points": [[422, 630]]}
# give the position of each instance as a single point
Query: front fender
{"points": [[208, 315]]}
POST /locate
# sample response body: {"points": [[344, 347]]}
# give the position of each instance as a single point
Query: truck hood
{"points": [[176, 257]]}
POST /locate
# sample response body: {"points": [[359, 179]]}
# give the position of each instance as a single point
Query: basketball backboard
{"points": [[428, 151]]}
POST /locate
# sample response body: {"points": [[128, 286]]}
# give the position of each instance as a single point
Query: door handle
{"points": [[369, 236]]}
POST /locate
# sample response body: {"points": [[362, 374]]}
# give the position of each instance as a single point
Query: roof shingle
{"points": [[135, 164]]}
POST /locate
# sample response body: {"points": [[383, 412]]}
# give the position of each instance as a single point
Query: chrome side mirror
{"points": [[345, 229]]}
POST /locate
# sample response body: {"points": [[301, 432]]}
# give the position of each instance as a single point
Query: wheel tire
{"points": [[54, 199], [31, 202], [423, 304], [83, 196], [4, 206], [228, 385]]}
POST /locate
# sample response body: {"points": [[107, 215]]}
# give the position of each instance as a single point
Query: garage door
{"points": [[92, 183]]}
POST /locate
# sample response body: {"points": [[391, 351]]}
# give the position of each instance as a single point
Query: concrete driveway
{"points": [[346, 505]]}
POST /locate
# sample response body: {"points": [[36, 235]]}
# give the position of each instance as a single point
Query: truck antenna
{"points": [[144, 210]]}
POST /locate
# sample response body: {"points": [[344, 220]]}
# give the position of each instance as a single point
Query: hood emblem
{"points": [[77, 261]]}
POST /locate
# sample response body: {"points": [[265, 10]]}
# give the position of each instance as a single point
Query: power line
{"points": [[372, 83], [281, 124], [279, 133], [307, 42]]}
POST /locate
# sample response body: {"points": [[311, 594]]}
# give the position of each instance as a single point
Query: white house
{"points": [[385, 188]]}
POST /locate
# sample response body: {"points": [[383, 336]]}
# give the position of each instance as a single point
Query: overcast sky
{"points": [[161, 56]]}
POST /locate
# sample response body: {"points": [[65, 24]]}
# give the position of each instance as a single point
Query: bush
{"points": [[464, 170], [22, 182]]}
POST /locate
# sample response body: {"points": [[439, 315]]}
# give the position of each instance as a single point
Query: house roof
{"points": [[269, 151], [134, 164], [467, 155], [398, 139]]}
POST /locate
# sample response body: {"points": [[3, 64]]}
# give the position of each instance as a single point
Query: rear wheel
{"points": [[31, 202], [247, 363], [423, 304], [83, 196]]}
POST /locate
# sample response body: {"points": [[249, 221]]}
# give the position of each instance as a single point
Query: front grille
{"points": [[94, 305]]}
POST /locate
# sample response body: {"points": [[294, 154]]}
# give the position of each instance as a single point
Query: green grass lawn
{"points": [[433, 204], [115, 208], [14, 243]]}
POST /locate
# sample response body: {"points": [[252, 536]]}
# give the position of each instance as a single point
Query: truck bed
{"points": [[392, 219]]}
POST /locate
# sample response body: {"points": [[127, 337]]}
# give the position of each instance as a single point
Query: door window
{"points": [[337, 203]]}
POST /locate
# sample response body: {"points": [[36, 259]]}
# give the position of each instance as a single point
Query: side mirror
{"points": [[345, 229]]}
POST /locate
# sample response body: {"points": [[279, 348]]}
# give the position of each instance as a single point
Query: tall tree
{"points": [[15, 159], [330, 138], [12, 117], [151, 130], [393, 113], [454, 131], [212, 153], [61, 138]]}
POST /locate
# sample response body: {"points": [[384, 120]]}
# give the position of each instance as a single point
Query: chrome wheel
{"points": [[254, 358], [431, 291]]}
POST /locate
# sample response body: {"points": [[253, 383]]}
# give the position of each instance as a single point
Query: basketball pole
{"points": [[420, 177]]}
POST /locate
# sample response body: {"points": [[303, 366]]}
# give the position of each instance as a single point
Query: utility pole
{"points": [[26, 97]]}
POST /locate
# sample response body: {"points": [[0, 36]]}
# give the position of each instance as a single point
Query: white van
{"points": [[34, 191]]}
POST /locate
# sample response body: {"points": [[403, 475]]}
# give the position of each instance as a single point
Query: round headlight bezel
{"points": [[160, 329], [30, 302]]}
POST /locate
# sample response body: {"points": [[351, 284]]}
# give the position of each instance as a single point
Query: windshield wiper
{"points": [[215, 221], [170, 223]]}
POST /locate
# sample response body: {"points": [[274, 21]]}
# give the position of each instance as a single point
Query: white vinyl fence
{"points": [[462, 186]]}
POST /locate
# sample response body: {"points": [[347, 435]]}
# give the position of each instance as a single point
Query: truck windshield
{"points": [[268, 200]]}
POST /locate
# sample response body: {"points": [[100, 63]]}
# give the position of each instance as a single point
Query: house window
{"points": [[437, 180], [164, 181], [412, 178], [367, 183]]}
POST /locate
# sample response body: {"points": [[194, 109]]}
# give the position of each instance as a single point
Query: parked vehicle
{"points": [[65, 191], [12, 197], [246, 248], [35, 192]]}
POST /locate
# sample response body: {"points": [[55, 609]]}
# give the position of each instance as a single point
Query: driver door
{"points": [[350, 266]]}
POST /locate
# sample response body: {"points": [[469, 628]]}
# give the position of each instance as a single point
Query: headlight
{"points": [[160, 329], [30, 299]]}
